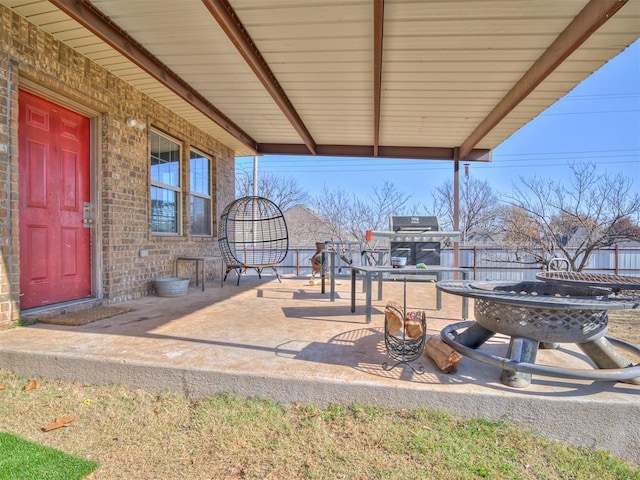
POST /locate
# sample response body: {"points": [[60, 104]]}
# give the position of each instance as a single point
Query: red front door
{"points": [[54, 185]]}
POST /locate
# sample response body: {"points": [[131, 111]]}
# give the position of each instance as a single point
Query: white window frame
{"points": [[167, 186], [201, 195]]}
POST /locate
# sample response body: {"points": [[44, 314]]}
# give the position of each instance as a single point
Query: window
{"points": [[200, 199], [165, 184]]}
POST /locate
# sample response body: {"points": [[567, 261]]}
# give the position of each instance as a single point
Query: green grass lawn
{"points": [[135, 434], [21, 459]]}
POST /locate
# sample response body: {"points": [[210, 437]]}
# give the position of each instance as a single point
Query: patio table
{"points": [[200, 272], [409, 270]]}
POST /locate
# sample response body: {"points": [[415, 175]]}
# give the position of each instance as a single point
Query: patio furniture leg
{"points": [[275, 270], [521, 350], [332, 260], [353, 290], [368, 298], [474, 336], [605, 355], [465, 300], [322, 272]]}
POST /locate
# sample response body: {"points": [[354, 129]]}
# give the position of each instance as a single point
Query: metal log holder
{"points": [[405, 350], [535, 313]]}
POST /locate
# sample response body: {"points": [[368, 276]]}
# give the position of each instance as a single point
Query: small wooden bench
{"points": [[200, 273]]}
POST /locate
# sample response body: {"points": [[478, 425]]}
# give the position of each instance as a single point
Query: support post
{"points": [[456, 207]]}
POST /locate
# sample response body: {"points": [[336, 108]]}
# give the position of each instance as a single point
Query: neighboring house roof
{"points": [[306, 228]]}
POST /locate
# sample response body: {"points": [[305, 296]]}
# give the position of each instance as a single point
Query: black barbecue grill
{"points": [[413, 237]]}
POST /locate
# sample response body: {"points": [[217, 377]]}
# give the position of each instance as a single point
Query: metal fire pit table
{"points": [[542, 314]]}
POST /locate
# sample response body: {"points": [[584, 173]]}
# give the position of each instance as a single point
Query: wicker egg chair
{"points": [[252, 233]]}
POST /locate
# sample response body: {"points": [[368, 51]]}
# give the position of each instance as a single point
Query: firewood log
{"points": [[445, 357], [413, 324], [393, 317]]}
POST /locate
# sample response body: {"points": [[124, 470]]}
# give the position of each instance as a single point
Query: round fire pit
{"points": [[545, 315], [535, 312]]}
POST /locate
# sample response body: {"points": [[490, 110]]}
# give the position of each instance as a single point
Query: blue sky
{"points": [[597, 121]]}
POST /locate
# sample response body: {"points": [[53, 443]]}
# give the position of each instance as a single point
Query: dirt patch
{"points": [[82, 317]]}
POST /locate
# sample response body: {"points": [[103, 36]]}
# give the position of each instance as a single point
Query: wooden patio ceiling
{"points": [[433, 79]]}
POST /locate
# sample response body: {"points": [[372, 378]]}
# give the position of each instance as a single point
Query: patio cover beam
{"points": [[378, 26], [592, 17], [418, 153], [99, 24], [223, 13]]}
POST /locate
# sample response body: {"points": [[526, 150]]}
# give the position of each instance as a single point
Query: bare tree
{"points": [[352, 216], [335, 206], [282, 190], [373, 213], [550, 218], [479, 209]]}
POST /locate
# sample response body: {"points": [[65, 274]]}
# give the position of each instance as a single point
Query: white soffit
{"points": [[445, 63]]}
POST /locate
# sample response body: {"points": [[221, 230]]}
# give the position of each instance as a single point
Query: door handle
{"points": [[87, 221]]}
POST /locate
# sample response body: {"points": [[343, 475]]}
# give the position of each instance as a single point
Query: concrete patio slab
{"points": [[288, 342]]}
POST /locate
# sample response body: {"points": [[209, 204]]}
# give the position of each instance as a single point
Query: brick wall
{"points": [[122, 166], [9, 247]]}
